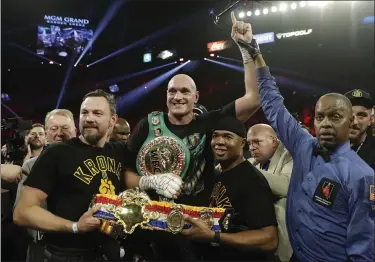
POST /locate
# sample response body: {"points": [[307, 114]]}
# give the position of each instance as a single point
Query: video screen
{"points": [[59, 40]]}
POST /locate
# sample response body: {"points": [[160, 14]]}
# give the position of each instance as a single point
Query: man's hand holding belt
{"points": [[122, 214], [168, 185]]}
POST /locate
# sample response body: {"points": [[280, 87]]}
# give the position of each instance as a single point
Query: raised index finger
{"points": [[234, 20]]}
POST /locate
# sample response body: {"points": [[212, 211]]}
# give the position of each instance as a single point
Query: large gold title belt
{"points": [[162, 155], [122, 214], [163, 151]]}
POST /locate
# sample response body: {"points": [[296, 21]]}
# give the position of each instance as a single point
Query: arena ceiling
{"points": [[338, 56]]}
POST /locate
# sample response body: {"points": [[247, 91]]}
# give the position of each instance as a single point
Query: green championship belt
{"points": [[162, 152]]}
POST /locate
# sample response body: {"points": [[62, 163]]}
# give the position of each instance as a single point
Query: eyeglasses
{"points": [[258, 142]]}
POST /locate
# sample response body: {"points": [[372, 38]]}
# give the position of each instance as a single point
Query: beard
{"points": [[357, 134], [93, 138], [35, 145]]}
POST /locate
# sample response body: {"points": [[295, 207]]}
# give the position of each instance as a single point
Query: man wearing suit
{"points": [[271, 157]]}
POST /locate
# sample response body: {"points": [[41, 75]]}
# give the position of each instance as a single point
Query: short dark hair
{"points": [[33, 126], [109, 97], [37, 125]]}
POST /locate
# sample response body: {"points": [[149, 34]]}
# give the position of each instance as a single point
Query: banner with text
{"points": [[65, 20], [294, 33], [218, 46]]}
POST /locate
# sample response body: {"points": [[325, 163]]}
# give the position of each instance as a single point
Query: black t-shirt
{"points": [[191, 134], [367, 150], [244, 189], [71, 173]]}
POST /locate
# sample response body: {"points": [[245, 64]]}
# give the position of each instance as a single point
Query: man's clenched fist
{"points": [[87, 222], [168, 185]]}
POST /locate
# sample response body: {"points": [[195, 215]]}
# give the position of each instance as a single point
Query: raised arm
{"points": [[286, 126], [247, 105]]}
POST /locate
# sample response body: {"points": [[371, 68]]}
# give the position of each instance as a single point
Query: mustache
{"points": [[355, 127], [90, 126]]}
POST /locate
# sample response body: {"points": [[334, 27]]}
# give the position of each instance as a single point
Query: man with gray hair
{"points": [[59, 126]]}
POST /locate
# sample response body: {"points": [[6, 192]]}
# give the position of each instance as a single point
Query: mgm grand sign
{"points": [[65, 20]]}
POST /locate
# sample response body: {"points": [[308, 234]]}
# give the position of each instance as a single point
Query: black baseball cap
{"points": [[359, 97], [231, 124]]}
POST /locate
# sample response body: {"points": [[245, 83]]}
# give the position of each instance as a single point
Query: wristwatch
{"points": [[216, 241]]}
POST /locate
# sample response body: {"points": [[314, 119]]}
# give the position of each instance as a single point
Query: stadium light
{"points": [[166, 54], [283, 7], [147, 58]]}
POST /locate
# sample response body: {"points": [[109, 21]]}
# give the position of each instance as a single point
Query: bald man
{"points": [[274, 161], [121, 130], [181, 122], [193, 134], [330, 205]]}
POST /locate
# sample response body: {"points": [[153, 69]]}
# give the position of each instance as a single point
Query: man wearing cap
{"points": [[360, 134], [252, 232]]}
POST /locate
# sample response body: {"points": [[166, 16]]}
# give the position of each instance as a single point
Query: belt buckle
{"points": [[206, 215], [175, 219], [132, 213], [126, 210]]}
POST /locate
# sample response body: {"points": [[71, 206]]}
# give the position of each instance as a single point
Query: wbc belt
{"points": [[122, 214], [162, 152]]}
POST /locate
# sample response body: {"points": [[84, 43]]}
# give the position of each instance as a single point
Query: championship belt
{"points": [[162, 152], [122, 214]]}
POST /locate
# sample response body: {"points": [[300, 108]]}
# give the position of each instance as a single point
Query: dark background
{"points": [[336, 57]]}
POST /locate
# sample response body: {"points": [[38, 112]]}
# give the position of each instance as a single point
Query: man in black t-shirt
{"points": [[252, 234], [195, 130], [70, 173], [182, 95]]}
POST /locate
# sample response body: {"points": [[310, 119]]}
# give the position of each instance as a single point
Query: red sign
{"points": [[217, 46]]}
